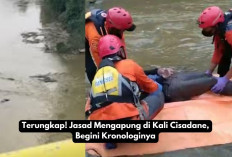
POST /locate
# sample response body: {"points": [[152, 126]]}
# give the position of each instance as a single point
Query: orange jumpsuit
{"points": [[92, 59], [114, 111]]}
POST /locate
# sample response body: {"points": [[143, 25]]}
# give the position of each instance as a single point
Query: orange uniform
{"points": [[114, 111], [93, 38], [219, 46], [92, 55]]}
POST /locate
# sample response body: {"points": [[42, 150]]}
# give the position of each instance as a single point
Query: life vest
{"points": [[98, 17], [223, 27], [110, 86]]}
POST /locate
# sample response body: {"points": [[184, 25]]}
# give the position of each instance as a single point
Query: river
{"points": [[34, 84], [167, 35]]}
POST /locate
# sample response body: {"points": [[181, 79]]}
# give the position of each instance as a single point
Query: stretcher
{"points": [[208, 106]]}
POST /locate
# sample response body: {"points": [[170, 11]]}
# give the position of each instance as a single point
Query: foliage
{"points": [[71, 14]]}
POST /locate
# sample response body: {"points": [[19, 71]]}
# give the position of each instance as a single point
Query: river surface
{"points": [[167, 35], [23, 94]]}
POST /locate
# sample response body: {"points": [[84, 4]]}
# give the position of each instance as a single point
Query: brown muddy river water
{"points": [[25, 97], [167, 33]]}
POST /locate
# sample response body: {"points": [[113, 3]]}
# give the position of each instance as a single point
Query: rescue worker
{"points": [[117, 85], [98, 23], [132, 81], [219, 25]]}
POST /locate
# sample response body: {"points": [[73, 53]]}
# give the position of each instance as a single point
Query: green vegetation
{"points": [[71, 14]]}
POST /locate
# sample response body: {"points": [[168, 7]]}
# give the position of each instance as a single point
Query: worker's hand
{"points": [[209, 73], [165, 72], [221, 83]]}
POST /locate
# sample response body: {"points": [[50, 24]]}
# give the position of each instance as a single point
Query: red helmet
{"points": [[120, 19], [210, 17], [109, 44]]}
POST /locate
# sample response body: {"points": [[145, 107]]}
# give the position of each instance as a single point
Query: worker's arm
{"points": [[222, 81], [228, 37], [217, 55], [229, 74], [212, 67], [145, 83], [93, 38]]}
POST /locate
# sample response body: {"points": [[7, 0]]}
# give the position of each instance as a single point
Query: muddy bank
{"points": [[52, 38], [71, 15]]}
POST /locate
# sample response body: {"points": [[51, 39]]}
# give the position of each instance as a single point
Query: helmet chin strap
{"points": [[106, 28], [102, 32]]}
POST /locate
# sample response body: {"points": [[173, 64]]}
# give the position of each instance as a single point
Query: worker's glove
{"points": [[221, 83]]}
